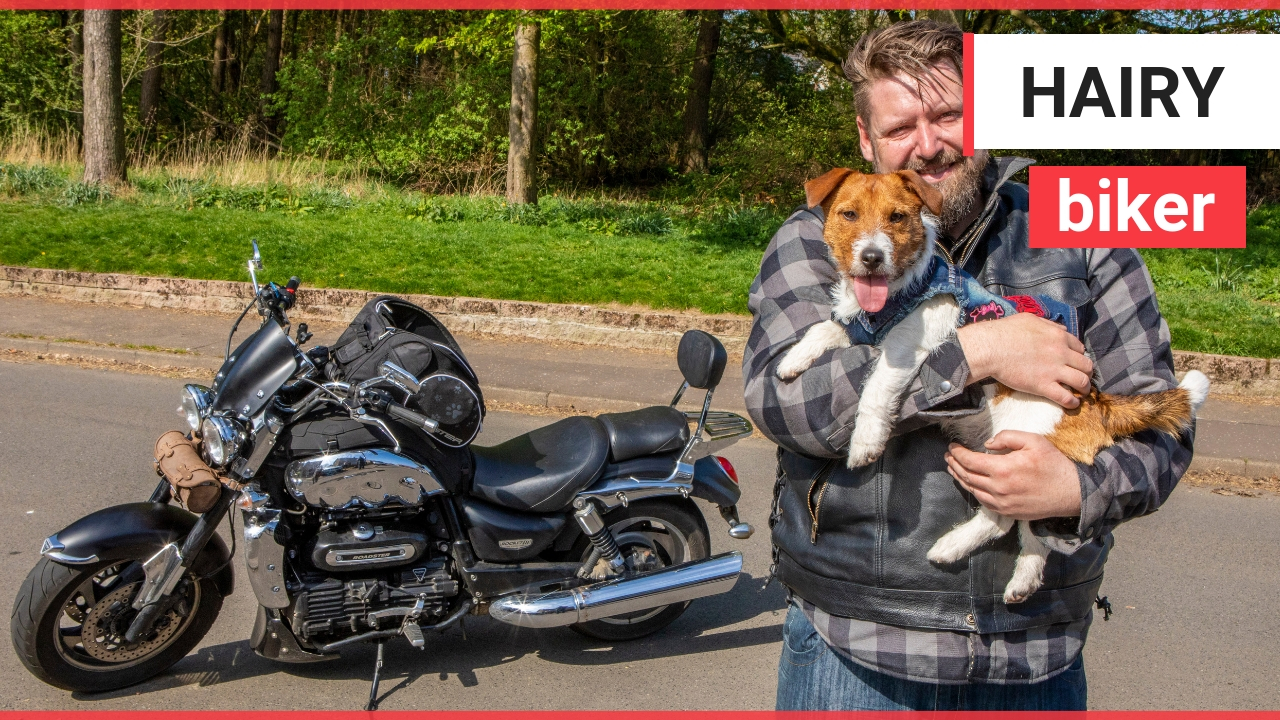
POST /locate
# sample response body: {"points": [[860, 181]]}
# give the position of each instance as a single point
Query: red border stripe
{"points": [[968, 94], [640, 4]]}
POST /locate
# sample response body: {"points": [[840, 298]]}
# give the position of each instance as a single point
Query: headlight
{"points": [[195, 405], [220, 440]]}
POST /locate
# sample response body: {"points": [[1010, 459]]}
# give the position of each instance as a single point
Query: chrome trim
{"points": [[53, 549], [722, 429], [263, 554], [624, 491], [163, 571], [339, 557], [679, 583], [264, 442], [361, 479]]}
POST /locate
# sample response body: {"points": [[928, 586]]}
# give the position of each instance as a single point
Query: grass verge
{"points": [[566, 250]]}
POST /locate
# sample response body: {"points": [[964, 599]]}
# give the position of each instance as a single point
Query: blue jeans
{"points": [[812, 676]]}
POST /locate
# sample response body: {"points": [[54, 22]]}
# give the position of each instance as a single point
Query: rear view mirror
{"points": [[400, 376], [701, 358]]}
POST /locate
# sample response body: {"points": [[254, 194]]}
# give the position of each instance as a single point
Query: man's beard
{"points": [[961, 189]]}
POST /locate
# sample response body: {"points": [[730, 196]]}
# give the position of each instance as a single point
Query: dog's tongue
{"points": [[872, 292]]}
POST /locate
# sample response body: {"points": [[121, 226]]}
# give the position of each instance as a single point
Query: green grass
{"points": [[592, 251], [367, 248]]}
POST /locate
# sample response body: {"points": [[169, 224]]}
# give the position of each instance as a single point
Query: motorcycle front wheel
{"points": [[68, 625], [651, 534]]}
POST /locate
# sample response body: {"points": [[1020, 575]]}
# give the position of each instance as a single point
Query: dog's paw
{"points": [[949, 548], [862, 454], [1021, 587], [792, 365]]}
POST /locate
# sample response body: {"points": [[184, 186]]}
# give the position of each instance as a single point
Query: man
{"points": [[873, 624]]}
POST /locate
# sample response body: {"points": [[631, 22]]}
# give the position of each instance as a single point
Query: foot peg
{"points": [[738, 530], [413, 634]]}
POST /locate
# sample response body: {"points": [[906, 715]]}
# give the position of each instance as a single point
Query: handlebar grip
{"points": [[405, 413], [293, 284]]}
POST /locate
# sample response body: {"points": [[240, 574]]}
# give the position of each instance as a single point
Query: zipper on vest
{"points": [[818, 487]]}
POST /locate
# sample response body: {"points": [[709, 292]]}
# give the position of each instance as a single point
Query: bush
{"points": [[22, 180]]}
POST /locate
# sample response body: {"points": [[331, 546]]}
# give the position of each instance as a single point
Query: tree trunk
{"points": [[220, 52], [75, 46], [103, 110], [149, 97], [697, 108], [270, 65], [523, 122]]}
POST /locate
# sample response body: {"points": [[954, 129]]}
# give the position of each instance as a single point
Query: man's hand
{"points": [[1033, 480], [1030, 354]]}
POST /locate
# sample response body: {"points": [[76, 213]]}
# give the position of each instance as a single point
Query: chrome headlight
{"points": [[220, 440], [195, 405]]}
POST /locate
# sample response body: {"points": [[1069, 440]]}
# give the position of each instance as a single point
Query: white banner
{"points": [[1125, 91]]}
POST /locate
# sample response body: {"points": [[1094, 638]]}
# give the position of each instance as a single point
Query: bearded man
{"points": [[872, 624]]}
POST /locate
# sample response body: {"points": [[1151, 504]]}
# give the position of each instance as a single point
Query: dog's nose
{"points": [[872, 258]]}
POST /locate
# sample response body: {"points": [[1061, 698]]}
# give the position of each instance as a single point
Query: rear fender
{"points": [[713, 484], [137, 531]]}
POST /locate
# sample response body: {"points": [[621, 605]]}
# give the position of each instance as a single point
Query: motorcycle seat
{"points": [[647, 431], [541, 470]]}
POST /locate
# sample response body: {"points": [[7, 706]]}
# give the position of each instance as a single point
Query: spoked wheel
{"points": [[68, 625], [651, 535]]}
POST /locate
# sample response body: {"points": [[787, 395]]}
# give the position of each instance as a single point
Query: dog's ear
{"points": [[817, 189], [928, 193]]}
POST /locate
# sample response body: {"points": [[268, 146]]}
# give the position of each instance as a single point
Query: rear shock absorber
{"points": [[592, 524]]}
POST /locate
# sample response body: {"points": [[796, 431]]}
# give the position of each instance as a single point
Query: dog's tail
{"points": [[1168, 411]]}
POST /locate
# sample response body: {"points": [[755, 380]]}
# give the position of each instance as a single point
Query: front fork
{"points": [[164, 569]]}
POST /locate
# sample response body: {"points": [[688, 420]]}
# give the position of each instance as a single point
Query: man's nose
{"points": [[928, 143]]}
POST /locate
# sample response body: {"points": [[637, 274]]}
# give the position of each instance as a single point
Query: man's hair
{"points": [[915, 49]]}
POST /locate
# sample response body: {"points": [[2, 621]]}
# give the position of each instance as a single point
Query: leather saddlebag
{"points": [[194, 483]]}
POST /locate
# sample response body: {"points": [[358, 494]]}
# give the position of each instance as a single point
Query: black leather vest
{"points": [[853, 542]]}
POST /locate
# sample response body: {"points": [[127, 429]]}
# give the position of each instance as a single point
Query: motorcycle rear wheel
{"points": [[68, 625], [674, 532]]}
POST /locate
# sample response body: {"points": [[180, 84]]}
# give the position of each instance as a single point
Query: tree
{"points": [[104, 159], [270, 66], [149, 95], [697, 106], [523, 117], [219, 70]]}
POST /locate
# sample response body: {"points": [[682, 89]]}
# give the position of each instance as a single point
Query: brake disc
{"points": [[102, 634]]}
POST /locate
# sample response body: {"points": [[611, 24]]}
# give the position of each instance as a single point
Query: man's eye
{"points": [[897, 217], [849, 215]]}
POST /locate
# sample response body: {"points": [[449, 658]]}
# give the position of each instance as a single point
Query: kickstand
{"points": [[377, 668]]}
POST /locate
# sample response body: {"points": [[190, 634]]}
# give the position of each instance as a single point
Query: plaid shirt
{"points": [[1129, 343]]}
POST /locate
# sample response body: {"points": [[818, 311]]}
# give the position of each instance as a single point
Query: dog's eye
{"points": [[897, 217], [849, 215]]}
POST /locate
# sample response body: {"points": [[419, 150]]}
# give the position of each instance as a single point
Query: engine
{"points": [[325, 606]]}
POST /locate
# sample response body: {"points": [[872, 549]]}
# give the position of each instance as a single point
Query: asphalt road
{"points": [[1194, 589]]}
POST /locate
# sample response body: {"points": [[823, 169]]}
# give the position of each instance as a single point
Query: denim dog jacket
{"points": [[976, 304]]}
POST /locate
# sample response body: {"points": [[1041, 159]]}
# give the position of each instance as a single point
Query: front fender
{"points": [[137, 531]]}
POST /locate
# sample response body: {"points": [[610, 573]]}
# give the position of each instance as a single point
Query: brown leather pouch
{"points": [[194, 483]]}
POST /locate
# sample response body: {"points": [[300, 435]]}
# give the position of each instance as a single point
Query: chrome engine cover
{"points": [[361, 479]]}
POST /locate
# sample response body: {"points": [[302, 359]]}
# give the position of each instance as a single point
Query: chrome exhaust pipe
{"points": [[679, 583]]}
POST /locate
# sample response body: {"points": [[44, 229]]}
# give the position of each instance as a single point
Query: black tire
{"points": [[680, 516], [53, 594]]}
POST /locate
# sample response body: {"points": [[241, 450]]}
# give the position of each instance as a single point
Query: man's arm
{"points": [[814, 413]]}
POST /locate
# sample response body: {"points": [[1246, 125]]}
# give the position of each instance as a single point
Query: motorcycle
{"points": [[369, 515]]}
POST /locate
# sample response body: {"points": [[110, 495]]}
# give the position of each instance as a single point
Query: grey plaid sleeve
{"points": [[1129, 341], [813, 414]]}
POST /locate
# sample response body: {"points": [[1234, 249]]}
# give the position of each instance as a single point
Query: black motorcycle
{"points": [[368, 515]]}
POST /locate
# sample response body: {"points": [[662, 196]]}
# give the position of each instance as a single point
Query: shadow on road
{"points": [[482, 643]]}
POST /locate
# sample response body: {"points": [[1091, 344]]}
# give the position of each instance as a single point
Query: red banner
{"points": [[1138, 207]]}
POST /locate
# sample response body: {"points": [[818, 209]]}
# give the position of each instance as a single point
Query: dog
{"points": [[881, 231]]}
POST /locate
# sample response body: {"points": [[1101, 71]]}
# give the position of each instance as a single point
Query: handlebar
{"points": [[404, 413]]}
